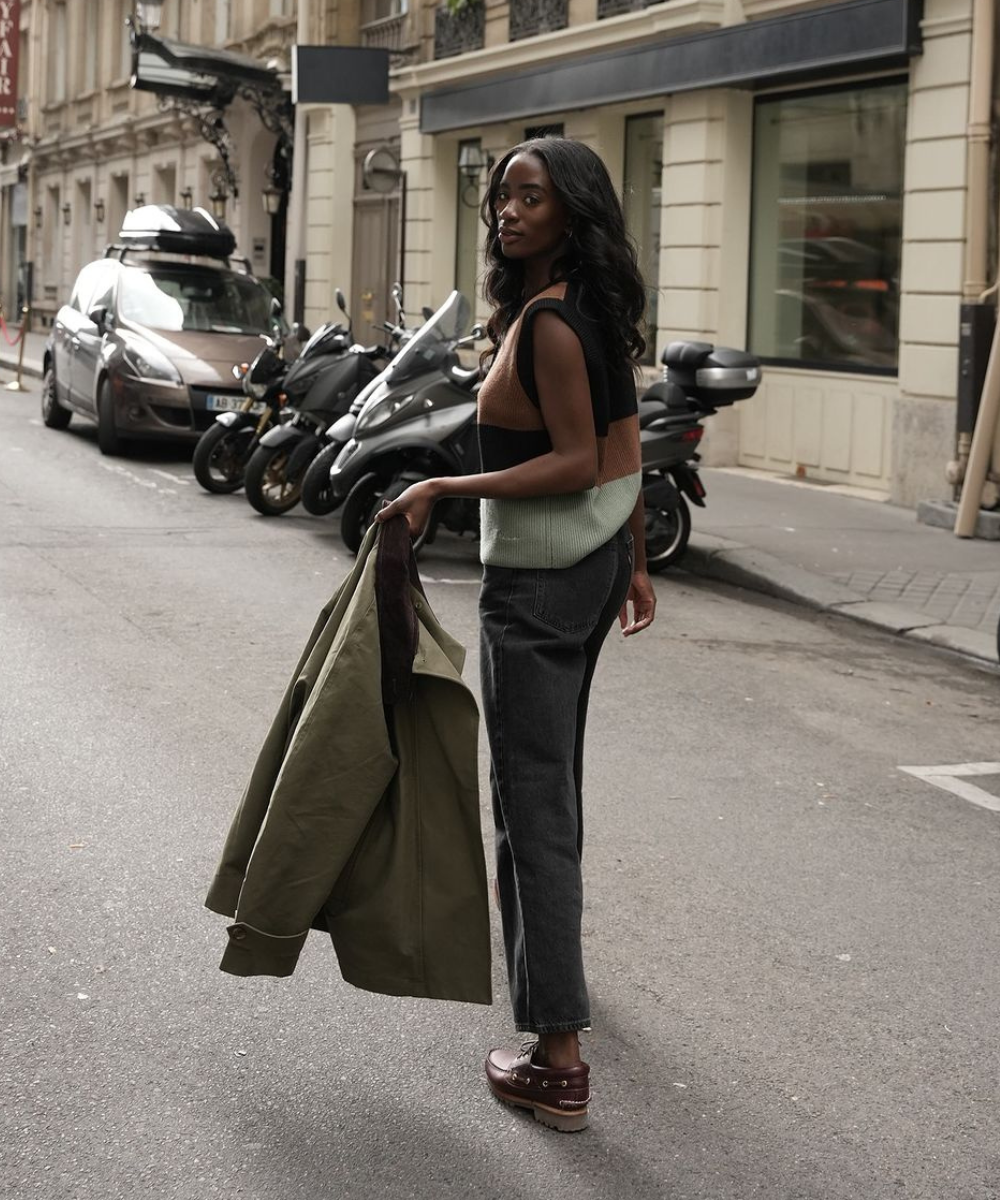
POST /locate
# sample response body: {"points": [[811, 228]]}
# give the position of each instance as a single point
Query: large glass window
{"points": [[826, 237], [641, 202]]}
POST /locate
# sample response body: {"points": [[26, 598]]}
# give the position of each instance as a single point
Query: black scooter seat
{"points": [[686, 354]]}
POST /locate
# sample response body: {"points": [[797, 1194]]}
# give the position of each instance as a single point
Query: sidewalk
{"points": [[34, 348], [861, 558]]}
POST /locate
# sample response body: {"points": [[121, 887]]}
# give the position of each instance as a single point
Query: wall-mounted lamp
{"points": [[67, 213], [472, 162], [187, 197], [99, 211], [38, 216], [148, 14], [140, 199]]}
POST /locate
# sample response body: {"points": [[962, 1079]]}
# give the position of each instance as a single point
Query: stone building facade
{"points": [[795, 174]]}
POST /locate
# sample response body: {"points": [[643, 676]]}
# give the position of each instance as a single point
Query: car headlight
{"points": [[149, 363], [382, 410]]}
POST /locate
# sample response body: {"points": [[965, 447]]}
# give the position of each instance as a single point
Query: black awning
{"points": [[196, 73], [819, 43]]}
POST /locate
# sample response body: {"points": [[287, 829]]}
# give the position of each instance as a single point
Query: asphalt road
{"points": [[792, 943]]}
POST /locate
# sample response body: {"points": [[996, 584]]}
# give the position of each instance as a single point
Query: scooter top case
{"points": [[713, 376]]}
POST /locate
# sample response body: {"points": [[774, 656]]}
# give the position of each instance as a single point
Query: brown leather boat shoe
{"points": [[558, 1096]]}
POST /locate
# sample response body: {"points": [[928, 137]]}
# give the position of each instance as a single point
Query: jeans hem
{"points": [[564, 1027]]}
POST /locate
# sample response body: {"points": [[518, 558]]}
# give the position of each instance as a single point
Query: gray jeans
{"points": [[542, 631]]}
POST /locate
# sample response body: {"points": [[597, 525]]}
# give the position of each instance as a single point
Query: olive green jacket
{"points": [[362, 811]]}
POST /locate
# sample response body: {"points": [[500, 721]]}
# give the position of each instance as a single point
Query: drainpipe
{"points": [[974, 452], [976, 204], [296, 218]]}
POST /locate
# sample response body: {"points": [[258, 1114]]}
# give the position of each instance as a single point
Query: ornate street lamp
{"points": [[99, 211], [271, 195], [67, 213], [187, 197], [217, 199]]}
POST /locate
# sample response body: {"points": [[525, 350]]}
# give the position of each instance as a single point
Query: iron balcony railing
{"points": [[459, 31], [531, 17]]}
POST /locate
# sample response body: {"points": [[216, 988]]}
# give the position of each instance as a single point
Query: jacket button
{"points": [[237, 933]]}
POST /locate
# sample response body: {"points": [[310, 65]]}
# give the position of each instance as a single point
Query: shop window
{"points": [[641, 202], [827, 228], [467, 222]]}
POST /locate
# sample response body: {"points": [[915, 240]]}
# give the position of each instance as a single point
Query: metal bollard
{"points": [[16, 385]]}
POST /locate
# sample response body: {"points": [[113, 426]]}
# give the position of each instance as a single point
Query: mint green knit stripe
{"points": [[555, 531]]}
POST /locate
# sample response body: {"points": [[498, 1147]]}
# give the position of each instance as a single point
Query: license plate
{"points": [[216, 403]]}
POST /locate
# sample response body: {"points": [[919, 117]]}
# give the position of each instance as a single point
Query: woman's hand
{"points": [[643, 600], [415, 504]]}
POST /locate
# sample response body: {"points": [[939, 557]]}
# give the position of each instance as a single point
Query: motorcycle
{"points": [[418, 419], [224, 449], [318, 494], [698, 380], [320, 386]]}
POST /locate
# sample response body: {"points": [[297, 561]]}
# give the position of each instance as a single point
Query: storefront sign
{"points": [[10, 25]]}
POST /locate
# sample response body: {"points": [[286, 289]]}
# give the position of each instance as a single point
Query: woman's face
{"points": [[533, 220]]}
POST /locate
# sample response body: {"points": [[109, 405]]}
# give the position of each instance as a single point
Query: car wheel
{"points": [[54, 415], [109, 440]]}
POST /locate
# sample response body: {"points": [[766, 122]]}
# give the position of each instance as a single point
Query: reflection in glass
{"points": [[187, 299], [641, 202], [826, 238]]}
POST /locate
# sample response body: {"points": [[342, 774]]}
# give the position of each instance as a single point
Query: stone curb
{"points": [[733, 563], [28, 367]]}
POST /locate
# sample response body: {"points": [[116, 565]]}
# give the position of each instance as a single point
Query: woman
{"points": [[562, 518]]}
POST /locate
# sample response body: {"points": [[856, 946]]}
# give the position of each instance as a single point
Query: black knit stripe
{"points": [[501, 448]]}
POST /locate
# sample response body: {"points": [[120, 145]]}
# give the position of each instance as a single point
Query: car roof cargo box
{"points": [[177, 231], [713, 376]]}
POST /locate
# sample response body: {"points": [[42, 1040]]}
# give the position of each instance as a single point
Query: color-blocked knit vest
{"points": [[556, 531]]}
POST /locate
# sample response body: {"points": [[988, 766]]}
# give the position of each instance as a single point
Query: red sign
{"points": [[10, 36]]}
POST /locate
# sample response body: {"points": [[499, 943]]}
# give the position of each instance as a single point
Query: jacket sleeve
{"points": [[337, 766]]}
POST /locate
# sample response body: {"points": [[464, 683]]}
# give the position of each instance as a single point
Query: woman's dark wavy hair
{"points": [[600, 255]]}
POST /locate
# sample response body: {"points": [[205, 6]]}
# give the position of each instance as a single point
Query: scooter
{"points": [[320, 385], [318, 494], [419, 417], [224, 449], [698, 380]]}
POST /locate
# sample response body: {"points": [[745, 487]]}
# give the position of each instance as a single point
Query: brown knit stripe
{"points": [[622, 453], [502, 400]]}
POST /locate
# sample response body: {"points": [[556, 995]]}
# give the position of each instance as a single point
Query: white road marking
{"points": [[129, 475], [954, 779], [167, 475]]}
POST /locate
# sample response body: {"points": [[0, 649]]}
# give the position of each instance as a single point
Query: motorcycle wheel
{"points": [[317, 491], [667, 534], [54, 416], [268, 488], [220, 458], [359, 511]]}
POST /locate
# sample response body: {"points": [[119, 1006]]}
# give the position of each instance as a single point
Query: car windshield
{"points": [[180, 298]]}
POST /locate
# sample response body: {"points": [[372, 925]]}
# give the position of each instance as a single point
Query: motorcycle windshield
{"points": [[431, 342]]}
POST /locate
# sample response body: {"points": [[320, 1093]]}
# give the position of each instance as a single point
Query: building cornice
{"points": [[679, 17]]}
